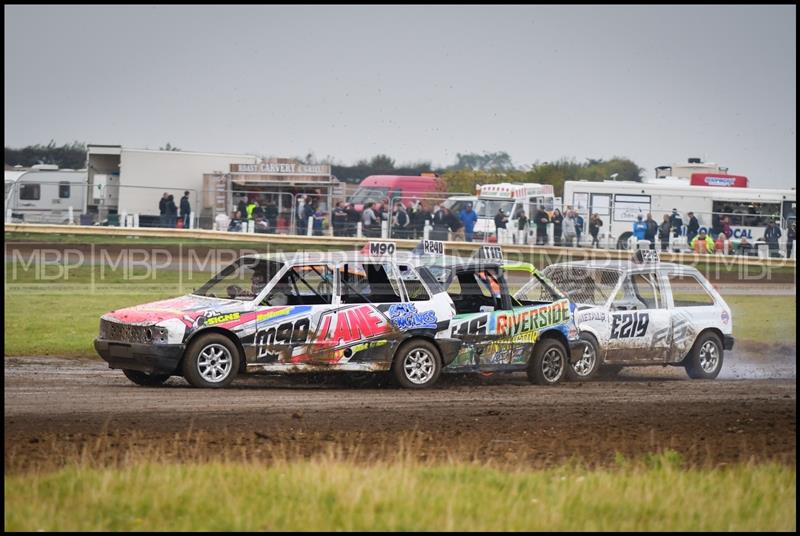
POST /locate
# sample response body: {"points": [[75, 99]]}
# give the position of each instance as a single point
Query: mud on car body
{"points": [[530, 330], [304, 313], [645, 313]]}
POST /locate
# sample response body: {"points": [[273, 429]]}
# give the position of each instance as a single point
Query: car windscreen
{"points": [[369, 193], [487, 208], [538, 289], [583, 285], [241, 280]]}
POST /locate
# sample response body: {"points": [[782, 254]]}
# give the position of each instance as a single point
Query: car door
{"points": [[289, 314], [484, 319], [640, 325]]}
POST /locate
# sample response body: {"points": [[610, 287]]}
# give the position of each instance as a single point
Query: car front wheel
{"points": [[211, 361], [587, 364], [417, 364], [549, 362], [705, 359]]}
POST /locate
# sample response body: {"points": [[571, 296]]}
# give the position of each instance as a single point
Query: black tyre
{"points": [[211, 361], [588, 362], [417, 364], [142, 378], [705, 358], [548, 363]]}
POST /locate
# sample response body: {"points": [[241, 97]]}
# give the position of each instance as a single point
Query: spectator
{"points": [[162, 210], [258, 212], [692, 228], [723, 244], [702, 243], [542, 220], [500, 221], [468, 217], [791, 236], [370, 221], [663, 232], [455, 225], [594, 229], [569, 229], [716, 225], [416, 219], [319, 220], [400, 221], [186, 209], [440, 224], [558, 220], [271, 214], [675, 222], [172, 211], [241, 208], [353, 217], [578, 229], [522, 224], [233, 225], [309, 209], [639, 228], [744, 247], [726, 227], [339, 219], [652, 230], [251, 206], [300, 212], [771, 236]]}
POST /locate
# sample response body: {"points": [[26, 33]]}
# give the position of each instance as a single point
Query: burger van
{"points": [[510, 197]]}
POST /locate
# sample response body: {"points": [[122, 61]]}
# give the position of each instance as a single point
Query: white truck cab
{"points": [[511, 198]]}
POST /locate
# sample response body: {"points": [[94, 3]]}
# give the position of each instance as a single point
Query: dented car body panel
{"points": [[643, 314], [317, 312], [499, 328]]}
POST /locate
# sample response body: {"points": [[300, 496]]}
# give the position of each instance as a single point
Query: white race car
{"points": [[645, 313]]}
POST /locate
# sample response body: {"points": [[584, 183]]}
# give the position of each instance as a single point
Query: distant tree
{"points": [[487, 161], [382, 162], [168, 147], [69, 156]]}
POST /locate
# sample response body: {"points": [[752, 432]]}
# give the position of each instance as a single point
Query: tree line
{"points": [[468, 170]]}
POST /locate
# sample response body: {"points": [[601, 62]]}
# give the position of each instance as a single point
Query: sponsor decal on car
{"points": [[405, 316]]}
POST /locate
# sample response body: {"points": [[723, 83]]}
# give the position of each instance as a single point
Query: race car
{"points": [[341, 311], [531, 330], [645, 312]]}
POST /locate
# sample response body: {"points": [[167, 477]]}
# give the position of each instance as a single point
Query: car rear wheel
{"points": [[142, 378], [549, 362], [211, 361], [589, 361], [417, 364], [705, 358]]}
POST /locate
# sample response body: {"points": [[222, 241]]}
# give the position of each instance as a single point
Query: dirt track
{"points": [[56, 408]]}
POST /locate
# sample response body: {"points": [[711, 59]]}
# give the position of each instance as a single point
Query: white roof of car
{"points": [[305, 257], [627, 266]]}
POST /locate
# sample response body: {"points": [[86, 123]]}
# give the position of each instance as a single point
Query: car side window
{"points": [[307, 284], [639, 291], [415, 290], [687, 291], [369, 283]]}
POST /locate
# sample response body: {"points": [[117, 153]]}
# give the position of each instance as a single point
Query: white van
{"points": [[511, 197]]}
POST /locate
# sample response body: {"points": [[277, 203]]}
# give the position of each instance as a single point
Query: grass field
{"points": [[62, 317], [655, 494]]}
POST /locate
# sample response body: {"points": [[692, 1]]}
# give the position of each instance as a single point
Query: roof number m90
{"points": [[380, 249]]}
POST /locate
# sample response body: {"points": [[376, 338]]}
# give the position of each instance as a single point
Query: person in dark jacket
{"points": [[771, 236], [500, 221], [171, 210], [542, 219], [339, 219], [440, 223], [162, 210], [791, 236], [594, 229], [241, 208], [652, 230], [186, 209], [676, 222], [663, 232], [557, 220], [271, 214], [693, 227]]}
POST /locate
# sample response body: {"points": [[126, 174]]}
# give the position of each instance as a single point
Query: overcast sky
{"points": [[654, 84]]}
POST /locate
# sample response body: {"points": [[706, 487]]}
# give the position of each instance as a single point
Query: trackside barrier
{"points": [[348, 242]]}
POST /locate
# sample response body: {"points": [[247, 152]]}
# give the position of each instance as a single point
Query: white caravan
{"points": [[511, 197], [45, 194]]}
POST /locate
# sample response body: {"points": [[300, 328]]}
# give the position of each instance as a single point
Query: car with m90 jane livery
{"points": [[504, 332], [645, 312], [302, 313]]}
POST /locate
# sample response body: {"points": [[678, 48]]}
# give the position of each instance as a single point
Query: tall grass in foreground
{"points": [[330, 494]]}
